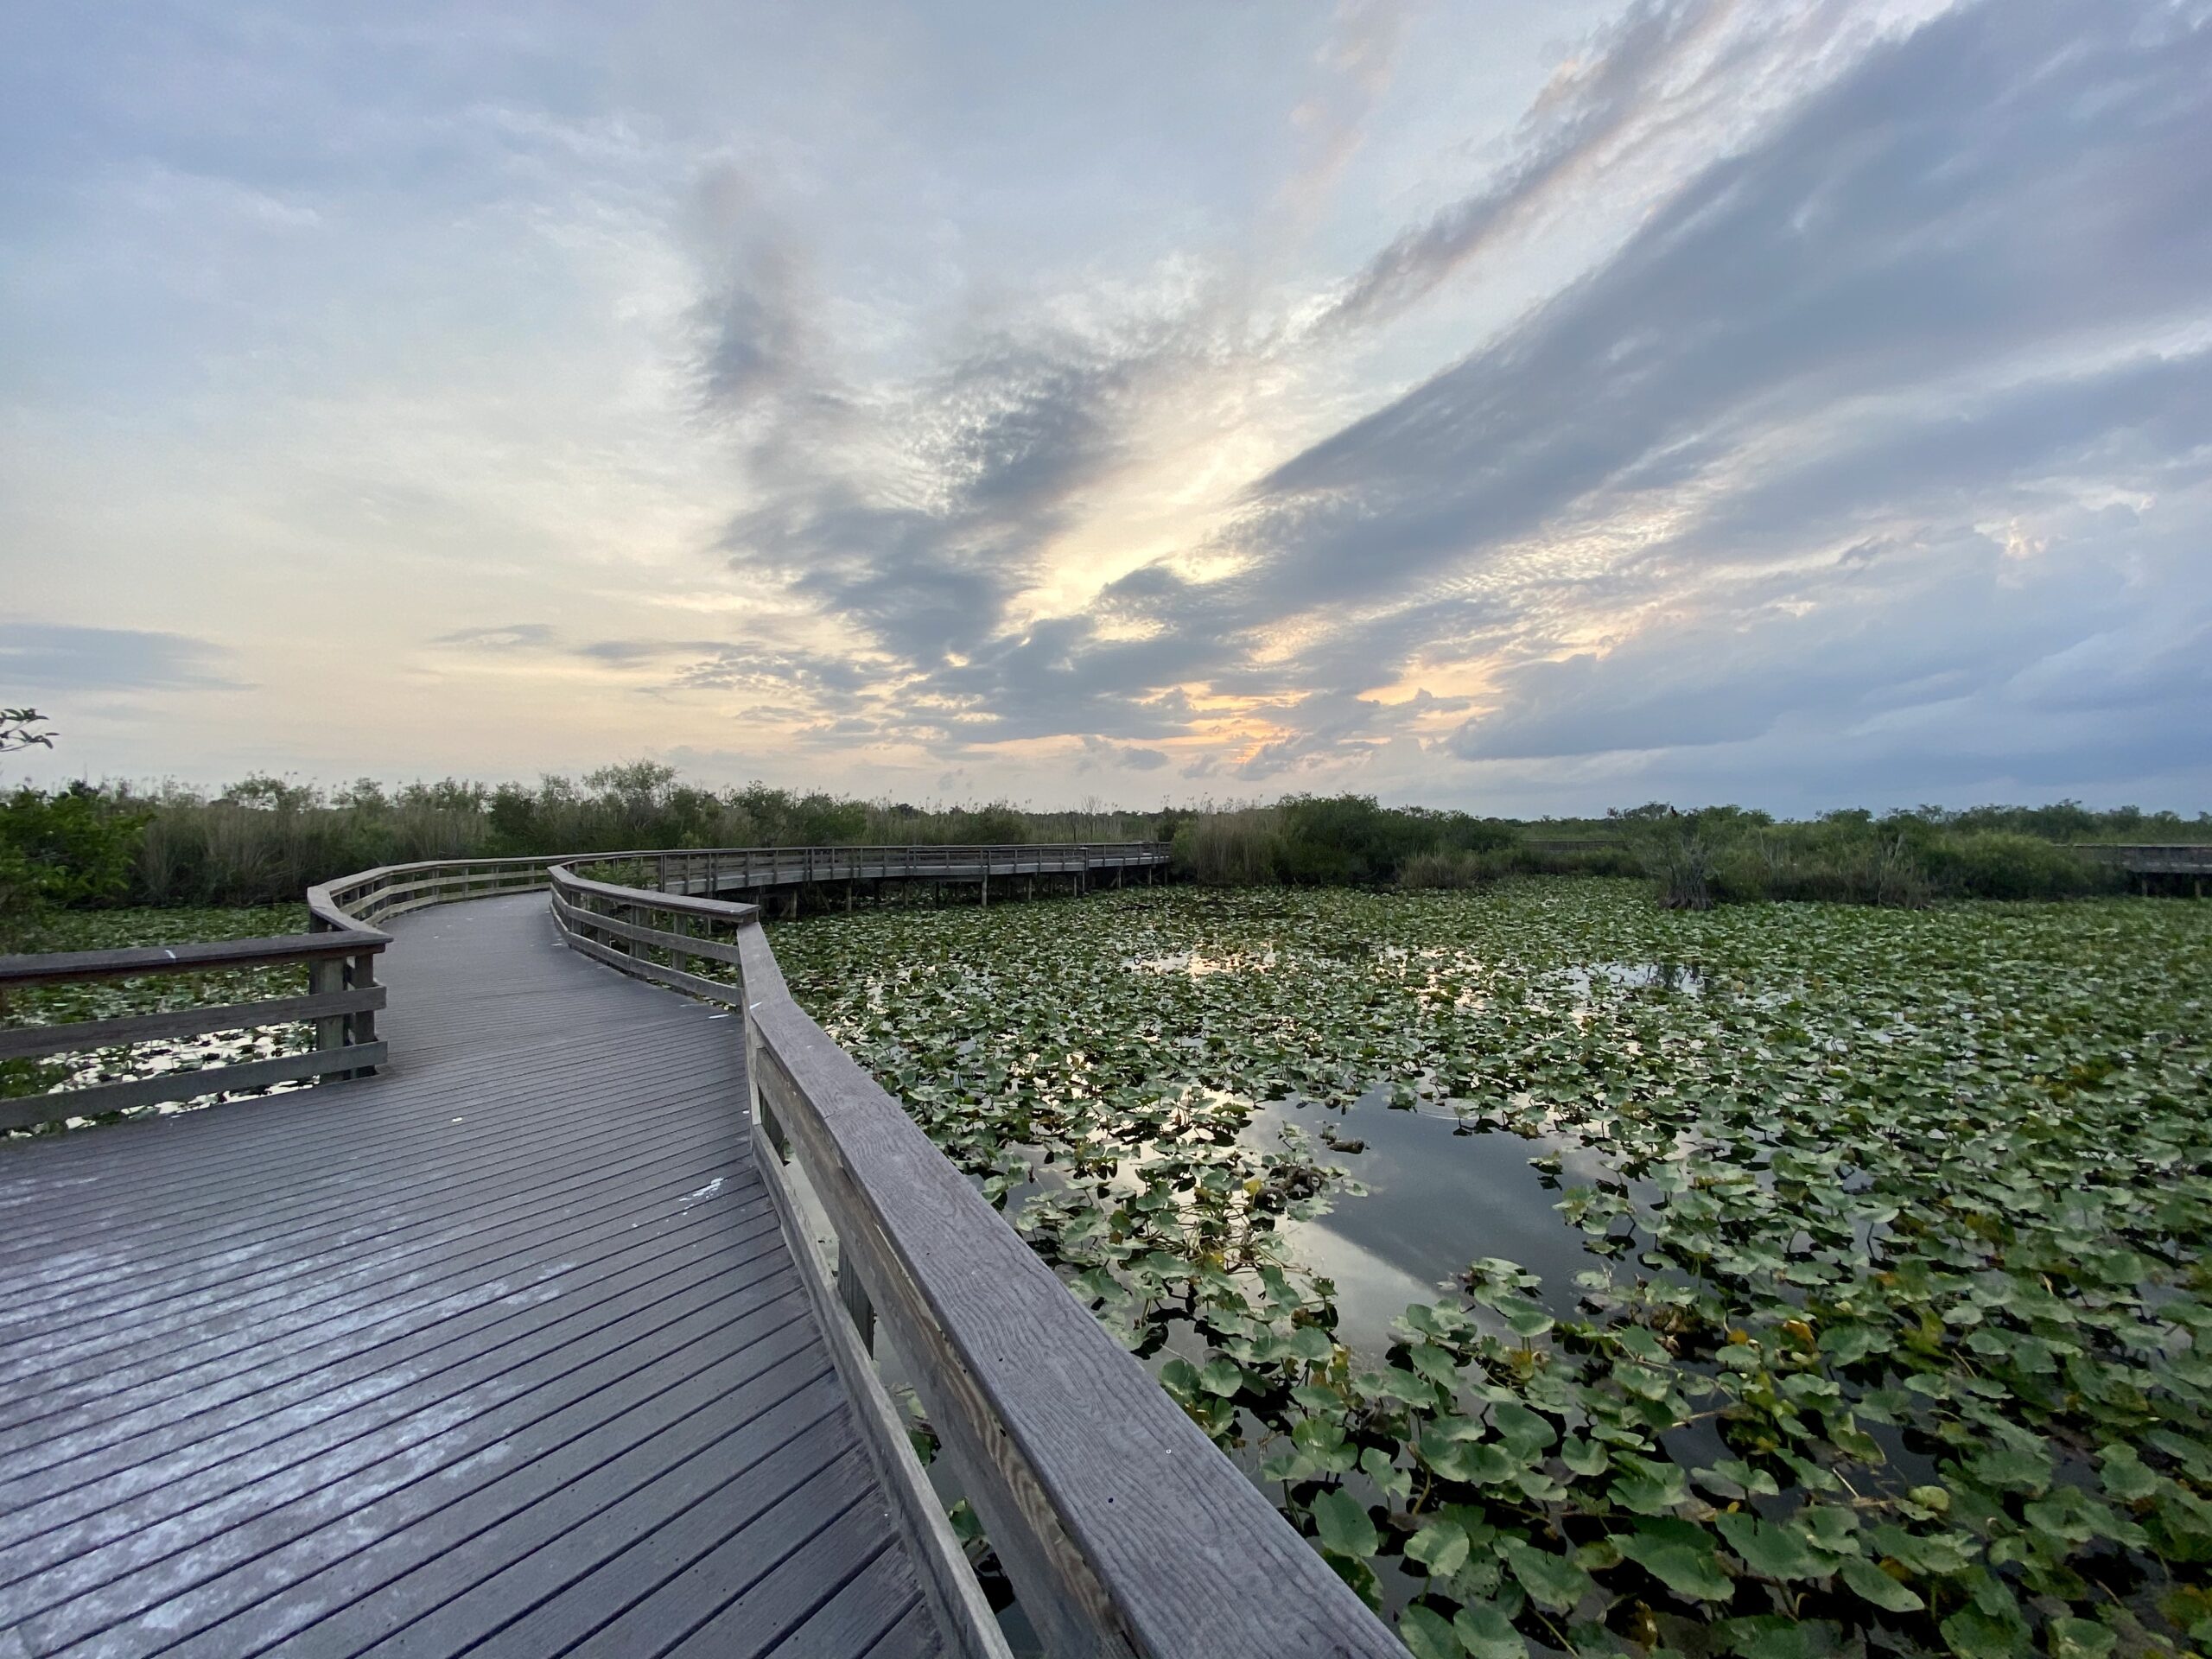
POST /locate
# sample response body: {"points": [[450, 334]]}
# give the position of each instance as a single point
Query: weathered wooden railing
{"points": [[2147, 859], [1122, 1529], [394, 889], [750, 869], [339, 954], [342, 1000]]}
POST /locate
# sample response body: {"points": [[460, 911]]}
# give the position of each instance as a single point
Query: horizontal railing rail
{"points": [[369, 896], [1124, 1529], [2149, 858], [724, 869], [342, 1000]]}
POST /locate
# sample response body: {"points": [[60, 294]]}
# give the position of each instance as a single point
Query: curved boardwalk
{"points": [[499, 1352]]}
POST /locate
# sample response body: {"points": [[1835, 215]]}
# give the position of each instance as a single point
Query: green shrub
{"points": [[1999, 864], [74, 846]]}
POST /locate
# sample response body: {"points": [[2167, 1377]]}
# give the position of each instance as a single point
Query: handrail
{"points": [[715, 869], [2192, 852], [340, 952], [1125, 1531], [367, 896], [342, 1000]]}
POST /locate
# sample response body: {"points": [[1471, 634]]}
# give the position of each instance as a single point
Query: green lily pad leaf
{"points": [[1731, 1475], [1441, 1547], [1344, 1529], [2124, 1476], [1222, 1377], [1552, 1580], [1426, 1634], [1378, 1466], [1487, 1633], [1829, 1530], [1869, 1583], [2079, 1638], [1436, 1364], [1527, 1318], [1474, 1463], [1650, 1488], [966, 1525], [1847, 1345], [1524, 1431], [1973, 1634], [1413, 1389], [2012, 1469], [1585, 1456], [1771, 1635], [1681, 1556], [1770, 1551]]}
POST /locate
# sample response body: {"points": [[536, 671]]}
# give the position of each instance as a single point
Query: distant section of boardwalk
{"points": [[500, 1352]]}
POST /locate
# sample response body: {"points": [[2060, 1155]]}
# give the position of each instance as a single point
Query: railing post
{"points": [[326, 974], [363, 976]]}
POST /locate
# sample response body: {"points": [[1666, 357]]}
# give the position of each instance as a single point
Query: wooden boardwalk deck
{"points": [[500, 1352]]}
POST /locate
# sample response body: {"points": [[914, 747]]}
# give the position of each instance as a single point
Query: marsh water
{"points": [[1437, 1195]]}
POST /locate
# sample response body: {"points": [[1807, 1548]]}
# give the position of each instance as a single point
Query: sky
{"points": [[1526, 408]]}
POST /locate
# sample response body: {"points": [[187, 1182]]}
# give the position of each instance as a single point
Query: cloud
{"points": [[506, 636], [1358, 62], [1851, 348], [43, 659], [1790, 390], [1097, 752], [1667, 81], [754, 324], [1882, 248], [997, 446], [1323, 727]]}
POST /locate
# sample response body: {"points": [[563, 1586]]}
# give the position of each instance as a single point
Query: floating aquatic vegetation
{"points": [[1886, 1335]]}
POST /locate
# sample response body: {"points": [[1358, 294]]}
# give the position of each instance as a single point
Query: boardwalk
{"points": [[500, 1352]]}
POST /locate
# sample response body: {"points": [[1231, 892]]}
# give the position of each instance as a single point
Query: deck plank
{"points": [[498, 1351]]}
